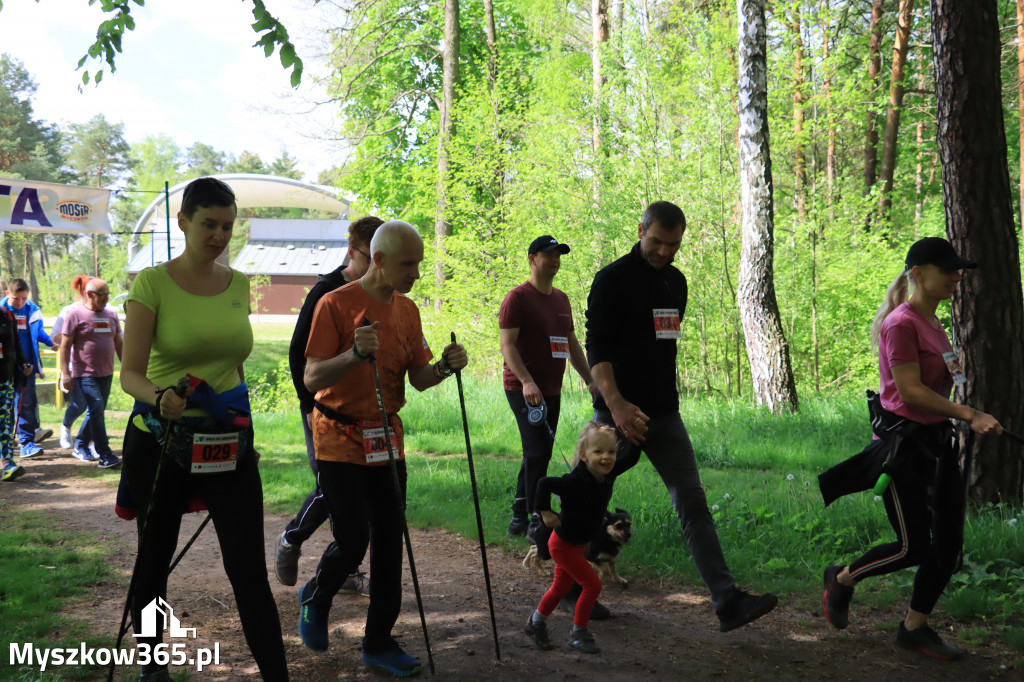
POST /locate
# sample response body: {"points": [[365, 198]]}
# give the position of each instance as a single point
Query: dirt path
{"points": [[657, 632]]}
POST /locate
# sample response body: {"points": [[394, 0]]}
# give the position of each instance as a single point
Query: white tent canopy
{"points": [[251, 191]]}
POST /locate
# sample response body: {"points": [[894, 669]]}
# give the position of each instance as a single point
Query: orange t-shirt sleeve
{"points": [[422, 353], [331, 333]]}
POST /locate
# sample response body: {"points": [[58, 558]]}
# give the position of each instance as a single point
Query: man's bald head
{"points": [[97, 294], [392, 237]]}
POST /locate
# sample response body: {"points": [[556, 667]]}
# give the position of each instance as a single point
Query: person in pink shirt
{"points": [[91, 337], [918, 368]]}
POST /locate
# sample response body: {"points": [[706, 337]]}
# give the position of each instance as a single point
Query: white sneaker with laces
{"points": [[65, 437]]}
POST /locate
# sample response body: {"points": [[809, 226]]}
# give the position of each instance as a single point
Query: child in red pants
{"points": [[585, 494]]}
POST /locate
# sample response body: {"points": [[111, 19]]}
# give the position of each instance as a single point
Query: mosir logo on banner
{"points": [[74, 211], [157, 617]]}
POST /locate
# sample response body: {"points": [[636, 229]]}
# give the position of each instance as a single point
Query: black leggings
{"points": [[235, 502], [364, 511], [922, 539], [537, 448]]}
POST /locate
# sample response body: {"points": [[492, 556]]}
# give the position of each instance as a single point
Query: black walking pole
{"points": [[188, 545], [179, 389], [1011, 434], [476, 504], [400, 501]]}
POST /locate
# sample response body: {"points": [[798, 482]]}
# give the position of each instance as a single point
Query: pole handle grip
{"points": [[882, 484], [182, 386]]}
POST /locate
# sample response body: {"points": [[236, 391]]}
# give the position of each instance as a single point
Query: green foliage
{"points": [[98, 153], [29, 148], [109, 33]]}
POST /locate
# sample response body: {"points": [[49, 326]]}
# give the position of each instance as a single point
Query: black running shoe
{"points": [[568, 604], [927, 641], [835, 602], [538, 632], [745, 608], [582, 641]]}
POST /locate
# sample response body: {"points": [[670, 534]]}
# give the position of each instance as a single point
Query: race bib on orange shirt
{"points": [[102, 325], [666, 323], [956, 369], [22, 322], [560, 347], [375, 445], [214, 452]]}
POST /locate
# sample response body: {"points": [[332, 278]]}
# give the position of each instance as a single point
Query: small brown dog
{"points": [[615, 531]]}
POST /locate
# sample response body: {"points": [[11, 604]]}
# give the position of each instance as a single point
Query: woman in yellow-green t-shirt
{"points": [[190, 315]]}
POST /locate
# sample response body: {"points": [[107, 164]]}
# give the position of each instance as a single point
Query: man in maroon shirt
{"points": [[537, 337]]}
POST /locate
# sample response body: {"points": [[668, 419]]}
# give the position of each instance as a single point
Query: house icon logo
{"points": [[158, 616]]}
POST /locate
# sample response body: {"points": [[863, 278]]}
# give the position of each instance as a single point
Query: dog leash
{"points": [[539, 415]]}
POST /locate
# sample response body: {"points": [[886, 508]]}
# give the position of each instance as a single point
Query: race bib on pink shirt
{"points": [[956, 369], [102, 325]]}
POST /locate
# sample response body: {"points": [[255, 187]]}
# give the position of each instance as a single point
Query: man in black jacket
{"points": [[633, 316], [313, 511]]}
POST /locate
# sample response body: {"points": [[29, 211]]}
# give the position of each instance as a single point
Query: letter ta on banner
{"points": [[666, 323]]}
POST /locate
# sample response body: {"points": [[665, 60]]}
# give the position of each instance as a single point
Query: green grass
{"points": [[43, 569]]}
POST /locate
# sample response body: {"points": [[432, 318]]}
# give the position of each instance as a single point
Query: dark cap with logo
{"points": [[936, 251], [547, 243]]}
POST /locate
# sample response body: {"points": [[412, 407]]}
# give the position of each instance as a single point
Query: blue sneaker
{"points": [[81, 455], [11, 471], [109, 461], [30, 449], [312, 623], [394, 660]]}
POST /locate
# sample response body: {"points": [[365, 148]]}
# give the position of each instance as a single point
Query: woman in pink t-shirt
{"points": [[918, 368]]}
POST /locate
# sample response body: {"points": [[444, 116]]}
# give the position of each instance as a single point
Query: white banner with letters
{"points": [[33, 206]]}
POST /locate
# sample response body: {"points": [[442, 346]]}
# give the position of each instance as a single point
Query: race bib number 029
{"points": [[560, 347], [666, 323], [214, 452]]}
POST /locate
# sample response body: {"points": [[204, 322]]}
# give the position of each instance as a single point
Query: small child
{"points": [[585, 494], [12, 370]]}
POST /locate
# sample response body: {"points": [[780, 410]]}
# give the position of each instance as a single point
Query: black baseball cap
{"points": [[547, 243], [936, 251]]}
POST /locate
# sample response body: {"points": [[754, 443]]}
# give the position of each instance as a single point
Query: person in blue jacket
{"points": [[31, 333]]}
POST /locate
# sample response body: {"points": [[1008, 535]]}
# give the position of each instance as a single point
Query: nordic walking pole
{"points": [[1011, 434], [400, 501], [179, 389], [476, 504], [177, 560]]}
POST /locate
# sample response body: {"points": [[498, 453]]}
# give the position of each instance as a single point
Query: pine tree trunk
{"points": [[30, 270], [767, 349], [988, 317], [874, 67], [892, 116], [446, 130]]}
